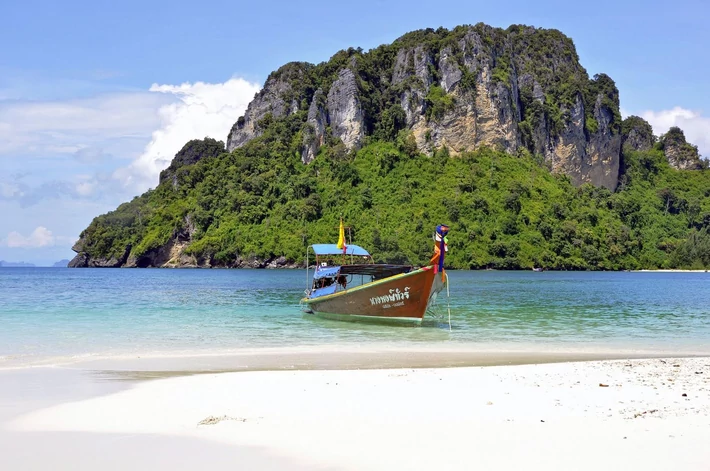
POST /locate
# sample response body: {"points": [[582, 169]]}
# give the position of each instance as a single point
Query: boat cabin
{"points": [[337, 269]]}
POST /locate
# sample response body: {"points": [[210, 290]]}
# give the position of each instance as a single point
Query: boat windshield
{"points": [[337, 269], [331, 279], [377, 271]]}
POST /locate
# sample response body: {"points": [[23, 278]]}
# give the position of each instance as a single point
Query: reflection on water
{"points": [[52, 312]]}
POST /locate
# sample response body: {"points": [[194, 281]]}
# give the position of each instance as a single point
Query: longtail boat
{"points": [[348, 285]]}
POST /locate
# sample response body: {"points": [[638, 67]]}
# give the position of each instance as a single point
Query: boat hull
{"points": [[398, 299]]}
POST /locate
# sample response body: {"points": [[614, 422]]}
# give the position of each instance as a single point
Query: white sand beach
{"points": [[649, 414]]}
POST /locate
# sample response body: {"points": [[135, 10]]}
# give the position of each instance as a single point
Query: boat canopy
{"points": [[332, 249]]}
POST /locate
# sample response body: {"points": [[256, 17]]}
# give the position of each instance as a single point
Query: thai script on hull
{"points": [[393, 296]]}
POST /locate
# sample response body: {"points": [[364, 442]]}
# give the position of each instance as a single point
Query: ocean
{"points": [[58, 315]]}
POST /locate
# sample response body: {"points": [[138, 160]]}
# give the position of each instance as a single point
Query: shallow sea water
{"points": [[47, 314]]}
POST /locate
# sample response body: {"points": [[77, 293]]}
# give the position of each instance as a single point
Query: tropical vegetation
{"points": [[505, 211]]}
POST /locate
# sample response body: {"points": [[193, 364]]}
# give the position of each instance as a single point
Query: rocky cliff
{"points": [[679, 152], [517, 93], [191, 153], [474, 86], [637, 134], [276, 100]]}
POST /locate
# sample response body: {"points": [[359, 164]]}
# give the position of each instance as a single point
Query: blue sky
{"points": [[96, 97]]}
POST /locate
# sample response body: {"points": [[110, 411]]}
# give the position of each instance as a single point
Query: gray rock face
{"points": [[680, 154], [345, 111], [402, 66], [341, 110], [450, 71], [80, 260], [413, 65], [483, 114], [168, 255], [472, 47], [499, 91], [592, 158], [314, 133], [568, 149], [601, 162], [83, 260], [680, 159], [637, 134], [271, 99], [539, 132], [637, 141]]}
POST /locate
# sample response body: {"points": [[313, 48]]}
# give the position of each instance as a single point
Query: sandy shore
{"points": [[619, 414]]}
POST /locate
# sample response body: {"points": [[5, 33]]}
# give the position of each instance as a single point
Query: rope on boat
{"points": [[448, 305], [308, 284]]}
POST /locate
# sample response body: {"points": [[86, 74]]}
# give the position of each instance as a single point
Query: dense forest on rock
{"points": [[505, 211], [511, 199]]}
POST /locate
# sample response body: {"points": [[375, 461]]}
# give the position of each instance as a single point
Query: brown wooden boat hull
{"points": [[397, 298]]}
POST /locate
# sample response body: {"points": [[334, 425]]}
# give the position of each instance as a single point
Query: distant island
{"points": [[499, 133], [61, 264], [5, 264]]}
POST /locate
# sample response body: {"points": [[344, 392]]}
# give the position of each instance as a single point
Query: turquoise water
{"points": [[73, 313]]}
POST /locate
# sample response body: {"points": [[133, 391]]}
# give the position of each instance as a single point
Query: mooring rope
{"points": [[448, 305]]}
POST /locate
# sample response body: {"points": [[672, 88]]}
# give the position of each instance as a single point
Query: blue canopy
{"points": [[332, 249]]}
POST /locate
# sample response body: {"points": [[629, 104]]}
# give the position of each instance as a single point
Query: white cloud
{"points": [[199, 110], [93, 132], [65, 218], [40, 237], [695, 126], [65, 127], [86, 188], [66, 161], [10, 190]]}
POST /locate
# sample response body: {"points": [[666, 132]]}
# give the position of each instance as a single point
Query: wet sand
{"points": [[341, 358]]}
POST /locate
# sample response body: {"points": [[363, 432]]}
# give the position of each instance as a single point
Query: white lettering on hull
{"points": [[394, 296]]}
